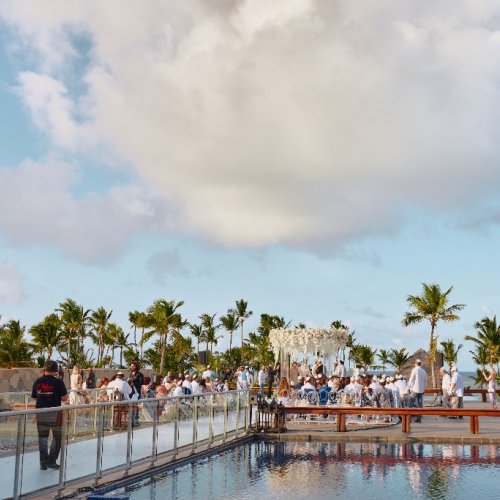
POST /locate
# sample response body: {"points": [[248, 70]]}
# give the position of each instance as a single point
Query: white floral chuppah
{"points": [[306, 341]]}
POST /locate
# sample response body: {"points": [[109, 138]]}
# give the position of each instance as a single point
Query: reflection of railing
{"points": [[168, 426]]}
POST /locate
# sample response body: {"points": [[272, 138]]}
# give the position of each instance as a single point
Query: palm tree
{"points": [[242, 314], [47, 335], [383, 355], [133, 317], [143, 321], [487, 338], [363, 355], [163, 317], [432, 306], [209, 330], [198, 333], [398, 358], [74, 322], [230, 323], [14, 349], [99, 321], [450, 352], [121, 342]]}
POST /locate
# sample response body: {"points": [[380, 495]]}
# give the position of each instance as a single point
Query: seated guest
{"points": [[300, 383], [308, 386], [161, 391]]}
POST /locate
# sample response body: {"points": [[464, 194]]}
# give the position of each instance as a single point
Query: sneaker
{"points": [[53, 465], [43, 467]]}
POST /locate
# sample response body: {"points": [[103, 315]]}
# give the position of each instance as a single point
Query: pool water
{"points": [[311, 470]]}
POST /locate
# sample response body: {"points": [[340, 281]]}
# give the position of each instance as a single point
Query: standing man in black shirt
{"points": [[49, 392], [138, 380], [270, 380]]}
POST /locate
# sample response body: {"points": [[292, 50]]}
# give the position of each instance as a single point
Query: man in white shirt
{"points": [[457, 387], [445, 386], [416, 387], [340, 369], [195, 386], [121, 384], [187, 384], [403, 390]]}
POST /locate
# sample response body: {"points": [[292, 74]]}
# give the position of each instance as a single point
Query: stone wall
{"points": [[21, 379]]}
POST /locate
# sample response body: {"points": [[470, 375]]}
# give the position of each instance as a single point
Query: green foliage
{"points": [[363, 355], [432, 306], [487, 339], [15, 350], [398, 358], [450, 352]]}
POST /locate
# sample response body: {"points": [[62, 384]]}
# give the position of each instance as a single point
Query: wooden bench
{"points": [[404, 413]]}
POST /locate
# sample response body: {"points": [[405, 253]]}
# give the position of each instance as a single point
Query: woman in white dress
{"points": [[75, 396]]}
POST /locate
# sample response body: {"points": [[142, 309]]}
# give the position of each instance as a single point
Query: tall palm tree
{"points": [[487, 338], [74, 321], [143, 321], [431, 305], [383, 356], [164, 316], [230, 323], [450, 351], [112, 335], [242, 314], [47, 335], [121, 342], [99, 321], [15, 350], [198, 333], [363, 355], [209, 330], [398, 358]]}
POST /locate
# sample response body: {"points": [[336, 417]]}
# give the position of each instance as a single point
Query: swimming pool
{"points": [[308, 470]]}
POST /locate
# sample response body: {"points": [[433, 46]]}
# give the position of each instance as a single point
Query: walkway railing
{"points": [[101, 438], [404, 413]]}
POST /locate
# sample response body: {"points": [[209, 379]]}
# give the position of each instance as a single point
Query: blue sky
{"points": [[319, 160]]}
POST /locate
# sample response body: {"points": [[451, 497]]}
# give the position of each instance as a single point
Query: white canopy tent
{"points": [[291, 342]]}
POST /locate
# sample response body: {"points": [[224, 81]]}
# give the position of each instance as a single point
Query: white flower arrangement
{"points": [[326, 341]]}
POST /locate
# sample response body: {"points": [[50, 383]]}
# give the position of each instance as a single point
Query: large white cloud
{"points": [[307, 123], [39, 204]]}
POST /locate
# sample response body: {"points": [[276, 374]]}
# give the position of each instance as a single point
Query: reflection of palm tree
{"points": [[431, 305]]}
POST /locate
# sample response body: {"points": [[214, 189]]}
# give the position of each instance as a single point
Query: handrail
{"points": [[87, 406], [216, 404], [404, 413]]}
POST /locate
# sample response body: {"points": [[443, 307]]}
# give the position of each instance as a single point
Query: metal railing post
{"points": [[195, 422], [211, 420], [247, 409], [129, 434], [224, 428], [65, 422], [154, 441], [26, 401], [100, 438], [176, 426], [18, 471], [237, 426]]}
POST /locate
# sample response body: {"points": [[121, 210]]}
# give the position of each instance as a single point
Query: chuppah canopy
{"points": [[326, 341]]}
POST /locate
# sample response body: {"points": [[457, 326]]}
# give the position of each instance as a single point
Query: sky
{"points": [[320, 160]]}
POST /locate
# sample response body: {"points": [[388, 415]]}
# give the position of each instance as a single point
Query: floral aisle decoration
{"points": [[326, 341]]}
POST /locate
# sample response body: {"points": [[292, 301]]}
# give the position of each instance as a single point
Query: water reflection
{"points": [[308, 469]]}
